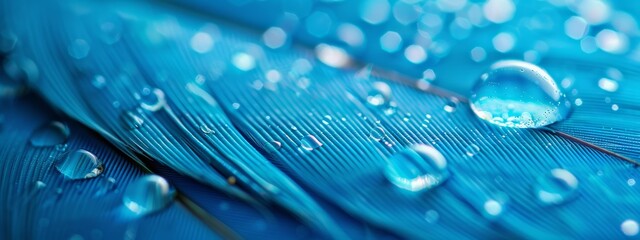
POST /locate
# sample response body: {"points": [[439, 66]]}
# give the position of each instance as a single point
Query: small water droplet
{"points": [[377, 133], [451, 104], [80, 164], [148, 194], [50, 134], [556, 187], [152, 99], [379, 95], [107, 185], [327, 119], [472, 150], [630, 227], [39, 185], [243, 61], [8, 41], [206, 129], [131, 120], [79, 49], [419, 167], [98, 81], [276, 145], [492, 208], [631, 182], [309, 143], [518, 94]]}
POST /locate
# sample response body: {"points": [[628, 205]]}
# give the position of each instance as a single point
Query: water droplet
{"points": [[472, 150], [380, 94], [276, 144], [310, 142], [50, 134], [327, 119], [131, 120], [79, 49], [492, 208], [451, 104], [152, 99], [98, 81], [377, 133], [630, 227], [631, 182], [206, 129], [431, 216], [419, 167], [80, 164], [243, 61], [148, 194], [107, 185], [40, 185], [518, 94], [556, 187]]}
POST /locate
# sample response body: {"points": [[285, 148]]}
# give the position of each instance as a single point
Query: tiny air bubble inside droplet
{"points": [[518, 94]]}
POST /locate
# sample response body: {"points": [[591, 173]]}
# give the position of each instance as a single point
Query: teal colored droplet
{"points": [[50, 134], [419, 167], [379, 95], [131, 120], [80, 164], [472, 150], [152, 99], [148, 194], [310, 142], [377, 133], [518, 94], [556, 187]]}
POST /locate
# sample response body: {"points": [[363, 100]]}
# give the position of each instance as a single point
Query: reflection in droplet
{"points": [[80, 164], [148, 194], [50, 134], [451, 104], [419, 167], [518, 94]]}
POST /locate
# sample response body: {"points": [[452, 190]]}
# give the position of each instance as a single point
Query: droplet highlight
{"points": [[131, 120], [148, 194], [310, 143], [417, 168], [556, 187], [80, 164], [518, 94]]}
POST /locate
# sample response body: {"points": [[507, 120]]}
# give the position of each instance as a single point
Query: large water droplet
{"points": [[518, 94], [379, 95], [148, 194], [419, 167], [131, 120], [309, 143], [50, 134], [556, 187], [80, 164]]}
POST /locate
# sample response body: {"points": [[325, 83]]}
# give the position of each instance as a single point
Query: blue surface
{"points": [[229, 98]]}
